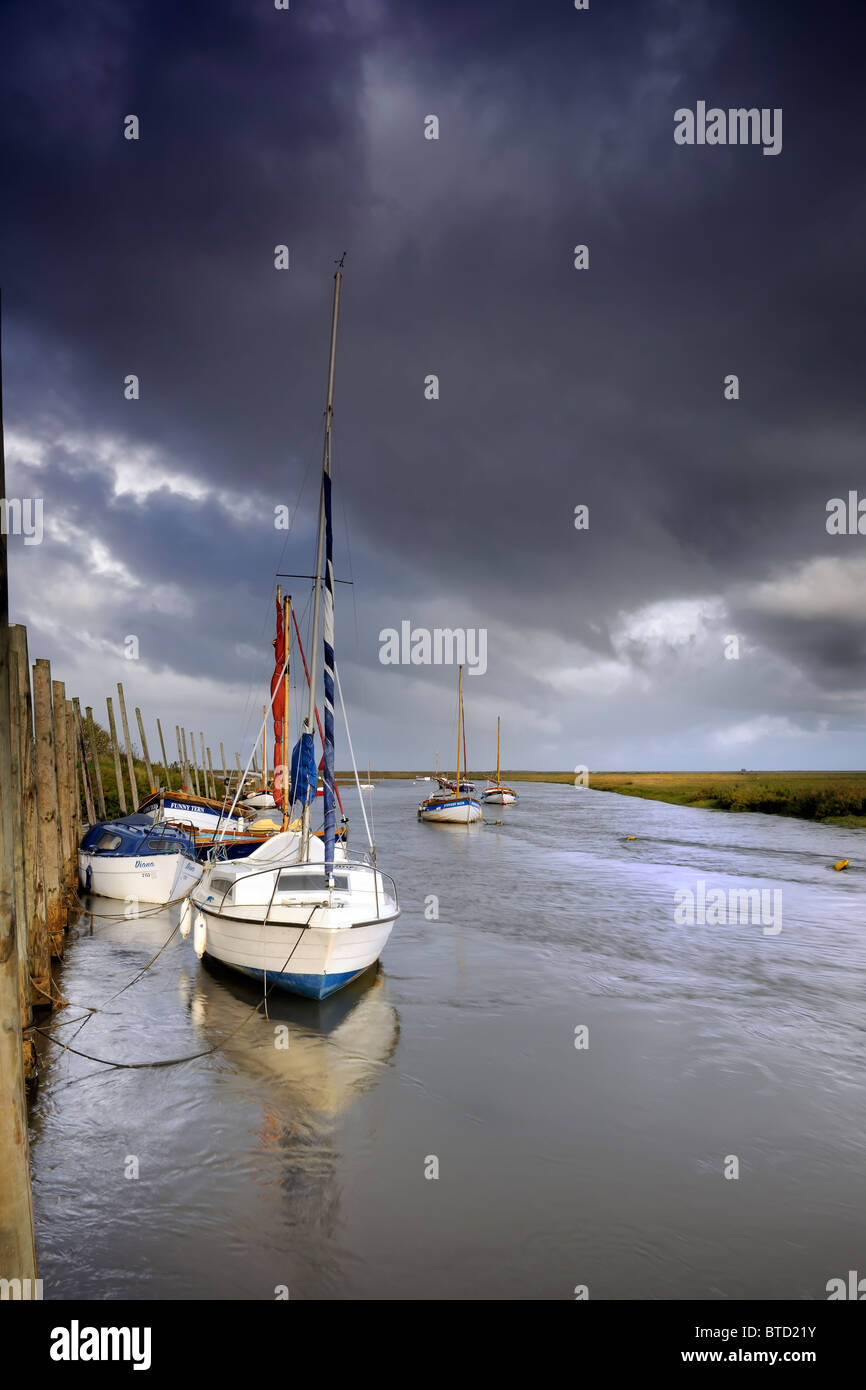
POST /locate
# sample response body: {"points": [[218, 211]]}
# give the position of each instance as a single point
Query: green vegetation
{"points": [[109, 781], [836, 797]]}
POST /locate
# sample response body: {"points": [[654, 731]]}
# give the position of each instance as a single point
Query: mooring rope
{"points": [[192, 1056]]}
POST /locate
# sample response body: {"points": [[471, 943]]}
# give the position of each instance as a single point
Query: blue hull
{"points": [[310, 986]]}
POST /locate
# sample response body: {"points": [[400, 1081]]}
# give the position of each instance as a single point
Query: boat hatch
{"points": [[309, 883]]}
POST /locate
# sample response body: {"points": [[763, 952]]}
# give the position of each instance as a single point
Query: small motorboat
{"points": [[134, 857]]}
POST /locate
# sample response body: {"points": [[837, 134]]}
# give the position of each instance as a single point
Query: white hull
{"points": [[451, 812], [498, 798], [314, 960], [157, 878], [259, 801], [268, 915]]}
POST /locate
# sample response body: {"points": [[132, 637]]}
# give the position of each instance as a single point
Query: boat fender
{"points": [[185, 921], [842, 864], [199, 936]]}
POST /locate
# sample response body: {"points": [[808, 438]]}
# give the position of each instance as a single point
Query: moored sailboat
{"points": [[297, 912], [454, 806], [495, 793]]}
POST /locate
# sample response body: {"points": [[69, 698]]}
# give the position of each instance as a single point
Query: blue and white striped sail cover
{"points": [[328, 641], [304, 772]]}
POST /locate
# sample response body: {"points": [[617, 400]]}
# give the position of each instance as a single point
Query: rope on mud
{"points": [[152, 910], [91, 1009], [192, 1056]]}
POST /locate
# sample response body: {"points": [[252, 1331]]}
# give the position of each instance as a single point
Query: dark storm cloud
{"points": [[557, 387]]}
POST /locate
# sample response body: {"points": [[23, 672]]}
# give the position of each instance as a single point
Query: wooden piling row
{"points": [[17, 1241], [38, 953]]}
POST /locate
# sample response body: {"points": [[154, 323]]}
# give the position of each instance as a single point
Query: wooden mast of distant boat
{"points": [[459, 726], [498, 726]]}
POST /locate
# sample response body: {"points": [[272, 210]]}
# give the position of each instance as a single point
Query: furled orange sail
{"points": [[278, 702]]}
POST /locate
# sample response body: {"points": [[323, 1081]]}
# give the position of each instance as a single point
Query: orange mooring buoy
{"points": [[841, 864]]}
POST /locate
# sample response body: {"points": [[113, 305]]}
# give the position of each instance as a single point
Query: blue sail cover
{"points": [[304, 772], [328, 642]]}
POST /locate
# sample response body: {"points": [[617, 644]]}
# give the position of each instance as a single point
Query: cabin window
{"points": [[163, 846], [107, 840], [309, 883], [219, 885]]}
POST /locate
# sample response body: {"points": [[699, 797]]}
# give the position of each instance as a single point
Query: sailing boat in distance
{"points": [[369, 784], [495, 793], [452, 807]]}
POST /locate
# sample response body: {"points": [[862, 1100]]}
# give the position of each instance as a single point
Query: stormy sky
{"points": [[557, 387]]}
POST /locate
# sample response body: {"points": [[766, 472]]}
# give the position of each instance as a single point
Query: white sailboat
{"points": [[369, 784], [495, 794], [457, 807], [296, 912]]}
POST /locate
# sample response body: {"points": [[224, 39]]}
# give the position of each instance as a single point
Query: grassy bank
{"points": [[836, 797]]}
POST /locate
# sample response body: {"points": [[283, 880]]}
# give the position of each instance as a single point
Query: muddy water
{"points": [[263, 1165]]}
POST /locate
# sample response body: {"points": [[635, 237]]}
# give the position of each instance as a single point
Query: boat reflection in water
{"points": [[322, 1054]]}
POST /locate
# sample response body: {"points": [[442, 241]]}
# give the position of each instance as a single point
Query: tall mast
{"points": [[285, 775], [317, 592], [498, 722], [459, 722], [264, 748]]}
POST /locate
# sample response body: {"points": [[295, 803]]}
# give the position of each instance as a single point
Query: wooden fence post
{"points": [[94, 757], [115, 748], [74, 788], [193, 763], [150, 780], [130, 762], [64, 792], [164, 758], [38, 952], [15, 792], [181, 762], [82, 758], [46, 787]]}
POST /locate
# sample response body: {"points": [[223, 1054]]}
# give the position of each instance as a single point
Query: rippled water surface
{"points": [[263, 1165]]}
